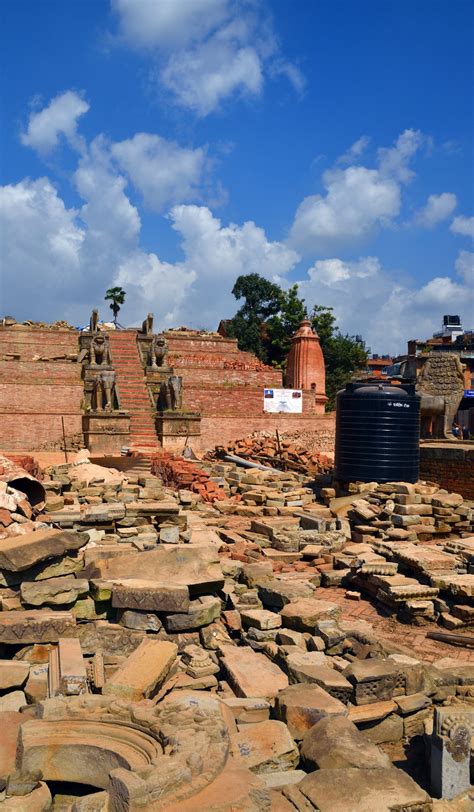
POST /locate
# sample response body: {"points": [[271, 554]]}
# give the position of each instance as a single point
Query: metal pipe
{"points": [[247, 464]]}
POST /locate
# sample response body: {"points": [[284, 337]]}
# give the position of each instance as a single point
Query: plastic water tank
{"points": [[377, 433]]}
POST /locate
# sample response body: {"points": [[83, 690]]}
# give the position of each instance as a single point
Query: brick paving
{"points": [[411, 638]]}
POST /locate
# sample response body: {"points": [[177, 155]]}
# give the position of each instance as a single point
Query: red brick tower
{"points": [[305, 366]]}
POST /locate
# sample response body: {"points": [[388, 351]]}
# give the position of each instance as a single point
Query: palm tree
{"points": [[117, 298]]}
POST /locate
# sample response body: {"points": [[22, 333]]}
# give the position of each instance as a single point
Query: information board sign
{"points": [[283, 400]]}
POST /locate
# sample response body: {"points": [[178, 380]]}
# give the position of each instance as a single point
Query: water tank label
{"points": [[398, 405]]}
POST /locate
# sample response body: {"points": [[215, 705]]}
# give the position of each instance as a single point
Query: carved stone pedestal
{"points": [[106, 432], [172, 427], [453, 728]]}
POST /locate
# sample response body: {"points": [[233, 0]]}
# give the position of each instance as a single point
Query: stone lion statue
{"points": [[99, 351], [158, 351], [441, 386]]}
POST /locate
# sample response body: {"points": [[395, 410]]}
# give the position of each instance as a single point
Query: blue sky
{"points": [[170, 145]]}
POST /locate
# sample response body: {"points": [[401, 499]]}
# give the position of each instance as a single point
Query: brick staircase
{"points": [[132, 389]]}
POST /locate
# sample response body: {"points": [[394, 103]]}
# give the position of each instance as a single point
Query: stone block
{"points": [[140, 621], [265, 747], [13, 674], [201, 612], [276, 594], [143, 672], [385, 730], [54, 591], [67, 674], [12, 701], [336, 743], [373, 680], [260, 619], [195, 566], [36, 626], [383, 790], [303, 615], [302, 706], [144, 595], [21, 552], [248, 711], [251, 674]]}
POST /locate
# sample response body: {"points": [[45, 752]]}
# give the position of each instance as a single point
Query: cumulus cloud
{"points": [[437, 208], [463, 225], [197, 290], [385, 310], [41, 247], [205, 51], [357, 199], [161, 170], [200, 79], [168, 23], [59, 118]]}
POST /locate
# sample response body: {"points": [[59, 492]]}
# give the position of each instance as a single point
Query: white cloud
{"points": [[59, 118], [202, 77], [385, 310], [465, 267], [437, 208], [168, 23], [394, 161], [331, 272], [161, 170], [357, 201], [355, 151], [463, 225], [206, 51], [197, 291], [40, 247]]}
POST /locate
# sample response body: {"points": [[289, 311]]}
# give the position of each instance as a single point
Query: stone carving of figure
{"points": [[90, 389], [158, 351], [107, 386], [175, 383], [94, 321], [99, 350], [170, 397], [441, 386], [147, 325]]}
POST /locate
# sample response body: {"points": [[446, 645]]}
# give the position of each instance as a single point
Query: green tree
{"points": [[263, 300], [116, 296], [280, 328], [344, 355]]}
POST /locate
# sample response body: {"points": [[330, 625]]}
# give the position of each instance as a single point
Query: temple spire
{"points": [[305, 366]]}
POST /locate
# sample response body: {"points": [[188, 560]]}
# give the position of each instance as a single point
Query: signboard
{"points": [[283, 400]]}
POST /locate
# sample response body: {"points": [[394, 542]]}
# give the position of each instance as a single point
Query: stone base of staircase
{"points": [[172, 427], [106, 432]]}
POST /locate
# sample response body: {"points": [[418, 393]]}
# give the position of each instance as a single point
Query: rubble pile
{"points": [[160, 651], [288, 454], [179, 473]]}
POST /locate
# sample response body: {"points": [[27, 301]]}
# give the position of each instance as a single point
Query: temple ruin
{"points": [[195, 614]]}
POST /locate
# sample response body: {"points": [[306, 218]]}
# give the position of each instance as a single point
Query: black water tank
{"points": [[377, 433]]}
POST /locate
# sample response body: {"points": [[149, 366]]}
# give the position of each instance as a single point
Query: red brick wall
{"points": [[221, 382], [35, 394], [450, 466]]}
